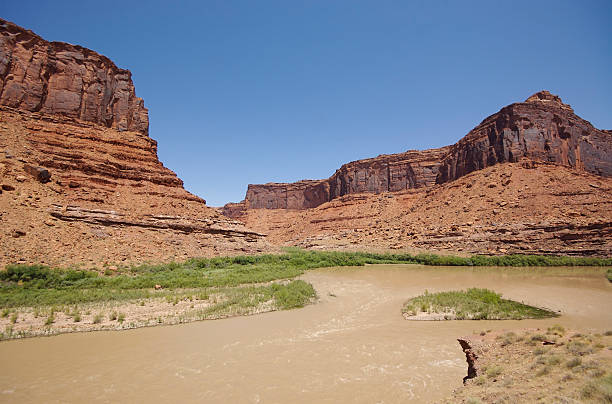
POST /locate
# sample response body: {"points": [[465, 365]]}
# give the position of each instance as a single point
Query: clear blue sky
{"points": [[249, 91]]}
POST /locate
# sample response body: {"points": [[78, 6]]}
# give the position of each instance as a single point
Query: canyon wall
{"points": [[57, 78], [385, 173], [80, 179], [542, 128]]}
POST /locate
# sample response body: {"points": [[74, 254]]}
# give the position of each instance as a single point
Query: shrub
{"points": [[599, 390], [556, 330], [544, 371], [480, 380], [293, 295], [579, 348], [494, 371], [540, 351]]}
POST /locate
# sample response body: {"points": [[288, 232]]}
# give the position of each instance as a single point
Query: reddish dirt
{"points": [[109, 199], [524, 207], [550, 365]]}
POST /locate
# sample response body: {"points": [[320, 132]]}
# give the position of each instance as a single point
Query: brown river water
{"points": [[352, 346]]}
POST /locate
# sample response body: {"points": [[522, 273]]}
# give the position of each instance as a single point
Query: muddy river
{"points": [[352, 346]]}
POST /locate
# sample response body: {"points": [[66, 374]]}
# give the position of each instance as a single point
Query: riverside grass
{"points": [[472, 304], [38, 285]]}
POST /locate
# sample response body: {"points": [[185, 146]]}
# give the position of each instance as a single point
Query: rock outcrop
{"points": [[527, 207], [297, 195], [542, 128], [470, 358], [385, 173], [57, 78], [80, 178]]}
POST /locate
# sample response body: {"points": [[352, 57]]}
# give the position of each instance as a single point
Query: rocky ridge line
{"points": [[542, 128]]}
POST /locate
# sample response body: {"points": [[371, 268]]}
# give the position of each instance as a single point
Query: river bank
{"points": [[37, 300], [537, 365], [352, 346]]}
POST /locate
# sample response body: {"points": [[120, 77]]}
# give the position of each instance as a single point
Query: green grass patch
{"points": [[473, 304], [39, 285], [248, 300]]}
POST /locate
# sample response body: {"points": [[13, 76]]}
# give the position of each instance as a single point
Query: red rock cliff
{"points": [[542, 128], [387, 173], [62, 79], [80, 179], [394, 172]]}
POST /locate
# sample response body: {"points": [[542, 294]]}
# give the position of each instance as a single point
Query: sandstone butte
{"points": [[531, 178], [80, 180]]}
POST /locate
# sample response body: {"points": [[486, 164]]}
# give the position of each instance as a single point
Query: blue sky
{"points": [[246, 92]]}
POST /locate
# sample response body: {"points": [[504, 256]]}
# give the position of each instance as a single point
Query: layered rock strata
{"points": [[385, 173], [528, 207], [80, 177], [542, 128], [57, 78]]}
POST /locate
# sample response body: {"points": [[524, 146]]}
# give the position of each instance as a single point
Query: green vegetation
{"points": [[494, 371], [473, 304], [247, 300], [609, 274], [38, 285]]}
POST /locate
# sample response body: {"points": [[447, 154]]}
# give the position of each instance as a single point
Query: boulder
{"points": [[39, 173]]}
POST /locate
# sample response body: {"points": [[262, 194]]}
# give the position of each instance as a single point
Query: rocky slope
{"points": [[542, 128], [525, 207], [532, 178], [80, 179], [550, 364]]}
